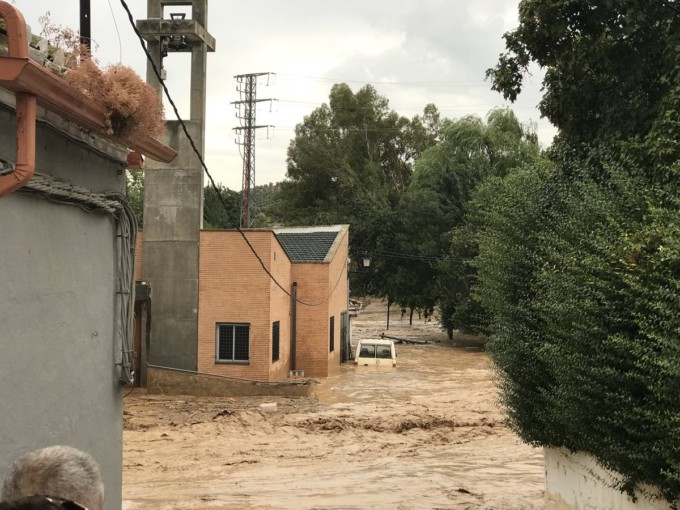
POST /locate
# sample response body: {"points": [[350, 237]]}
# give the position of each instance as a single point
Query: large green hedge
{"points": [[581, 278]]}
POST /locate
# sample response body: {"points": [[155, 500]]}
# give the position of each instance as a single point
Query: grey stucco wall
{"points": [[58, 352], [173, 213]]}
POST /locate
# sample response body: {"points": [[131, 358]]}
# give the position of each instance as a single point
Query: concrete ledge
{"points": [[574, 481], [175, 382]]}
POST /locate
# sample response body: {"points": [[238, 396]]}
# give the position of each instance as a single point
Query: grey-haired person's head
{"points": [[59, 472]]}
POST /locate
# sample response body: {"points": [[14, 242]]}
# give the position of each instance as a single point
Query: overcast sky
{"points": [[413, 52]]}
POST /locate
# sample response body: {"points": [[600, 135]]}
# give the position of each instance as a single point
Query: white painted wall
{"points": [[574, 481]]}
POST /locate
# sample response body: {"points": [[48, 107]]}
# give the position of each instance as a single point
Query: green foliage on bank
{"points": [[578, 264], [582, 281]]}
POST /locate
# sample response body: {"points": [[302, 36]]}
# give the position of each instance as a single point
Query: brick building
{"points": [[248, 327]]}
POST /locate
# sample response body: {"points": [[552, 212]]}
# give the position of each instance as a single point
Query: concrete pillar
{"points": [[173, 213]]}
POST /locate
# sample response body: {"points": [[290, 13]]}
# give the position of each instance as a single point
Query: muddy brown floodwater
{"points": [[426, 435]]}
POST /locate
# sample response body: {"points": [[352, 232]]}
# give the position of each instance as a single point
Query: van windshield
{"points": [[375, 351]]}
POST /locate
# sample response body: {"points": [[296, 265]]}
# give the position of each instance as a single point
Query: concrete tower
{"points": [[173, 193]]}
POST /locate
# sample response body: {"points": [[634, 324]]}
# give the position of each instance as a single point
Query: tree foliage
{"points": [[432, 218], [577, 263], [215, 215], [350, 162], [608, 63], [581, 281], [134, 191]]}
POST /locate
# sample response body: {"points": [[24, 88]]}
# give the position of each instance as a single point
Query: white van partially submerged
{"points": [[375, 352]]}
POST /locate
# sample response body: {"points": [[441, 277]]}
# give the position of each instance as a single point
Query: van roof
{"points": [[381, 341]]}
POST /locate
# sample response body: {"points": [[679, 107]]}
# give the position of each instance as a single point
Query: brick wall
{"points": [[280, 310], [315, 282], [312, 321], [337, 278], [233, 288], [138, 258]]}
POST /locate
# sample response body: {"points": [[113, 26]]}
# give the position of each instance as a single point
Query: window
{"points": [[332, 342], [233, 343], [275, 341], [383, 351], [367, 351]]}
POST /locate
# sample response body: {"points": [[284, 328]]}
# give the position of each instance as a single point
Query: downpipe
{"points": [[17, 46]]}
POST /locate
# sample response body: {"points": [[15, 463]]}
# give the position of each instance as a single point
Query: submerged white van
{"points": [[375, 352]]}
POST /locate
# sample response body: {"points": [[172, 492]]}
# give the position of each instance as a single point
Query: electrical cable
{"points": [[116, 205], [351, 108], [205, 168], [460, 83], [115, 24], [127, 243], [410, 256]]}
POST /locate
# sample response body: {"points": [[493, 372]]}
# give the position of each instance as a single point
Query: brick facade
{"points": [[233, 288], [315, 282]]}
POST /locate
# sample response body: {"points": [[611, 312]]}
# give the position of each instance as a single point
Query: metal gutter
{"points": [[21, 75], [31, 82]]}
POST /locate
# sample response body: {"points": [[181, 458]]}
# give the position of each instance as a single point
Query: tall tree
{"points": [[578, 266], [608, 64], [350, 162], [215, 215], [433, 210]]}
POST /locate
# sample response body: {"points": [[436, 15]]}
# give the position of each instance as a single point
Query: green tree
{"points": [[215, 215], [134, 190], [577, 267], [350, 162], [581, 283], [608, 64], [431, 222]]}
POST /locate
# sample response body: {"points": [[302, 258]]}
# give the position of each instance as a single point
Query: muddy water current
{"points": [[428, 434]]}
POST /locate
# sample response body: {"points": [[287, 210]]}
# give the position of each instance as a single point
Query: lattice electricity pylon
{"points": [[246, 106]]}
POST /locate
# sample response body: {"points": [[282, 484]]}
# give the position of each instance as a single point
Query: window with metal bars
{"points": [[233, 343], [275, 341], [332, 339]]}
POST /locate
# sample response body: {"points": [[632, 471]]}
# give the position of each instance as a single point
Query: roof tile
{"points": [[307, 246]]}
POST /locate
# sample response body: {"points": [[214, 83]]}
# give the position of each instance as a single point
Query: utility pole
{"points": [[246, 109], [85, 23]]}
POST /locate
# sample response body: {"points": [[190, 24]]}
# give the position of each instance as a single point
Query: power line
{"points": [[115, 24], [205, 167], [358, 107], [451, 83]]}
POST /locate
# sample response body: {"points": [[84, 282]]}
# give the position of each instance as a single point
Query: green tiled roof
{"points": [[307, 246]]}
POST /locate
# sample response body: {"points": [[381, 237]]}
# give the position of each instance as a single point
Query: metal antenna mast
{"points": [[246, 106]]}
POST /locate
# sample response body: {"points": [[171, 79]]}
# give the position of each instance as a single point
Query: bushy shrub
{"points": [[135, 110], [582, 282]]}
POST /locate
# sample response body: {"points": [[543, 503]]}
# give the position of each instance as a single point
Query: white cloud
{"points": [[414, 52]]}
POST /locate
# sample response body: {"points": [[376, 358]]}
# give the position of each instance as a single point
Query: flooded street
{"points": [[425, 435]]}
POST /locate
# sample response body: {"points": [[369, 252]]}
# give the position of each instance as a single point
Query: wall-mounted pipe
{"points": [[17, 47], [293, 327]]}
